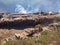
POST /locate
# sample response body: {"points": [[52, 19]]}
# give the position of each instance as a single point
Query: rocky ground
{"points": [[36, 25]]}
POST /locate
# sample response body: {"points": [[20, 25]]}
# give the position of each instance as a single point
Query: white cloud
{"points": [[20, 9]]}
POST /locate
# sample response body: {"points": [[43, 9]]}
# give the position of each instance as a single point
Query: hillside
{"points": [[30, 29]]}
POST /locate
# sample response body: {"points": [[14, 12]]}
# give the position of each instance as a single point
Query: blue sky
{"points": [[29, 5]]}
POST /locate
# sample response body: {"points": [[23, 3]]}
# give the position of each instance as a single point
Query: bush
{"points": [[39, 27]]}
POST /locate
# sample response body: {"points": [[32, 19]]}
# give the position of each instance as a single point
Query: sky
{"points": [[29, 6]]}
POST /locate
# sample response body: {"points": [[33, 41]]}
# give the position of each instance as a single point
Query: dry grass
{"points": [[46, 38], [39, 27]]}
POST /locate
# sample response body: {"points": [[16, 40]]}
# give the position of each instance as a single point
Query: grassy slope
{"points": [[46, 38]]}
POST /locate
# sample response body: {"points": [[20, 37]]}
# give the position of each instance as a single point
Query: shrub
{"points": [[39, 27]]}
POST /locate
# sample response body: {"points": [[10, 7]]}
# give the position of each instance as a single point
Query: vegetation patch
{"points": [[46, 38]]}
